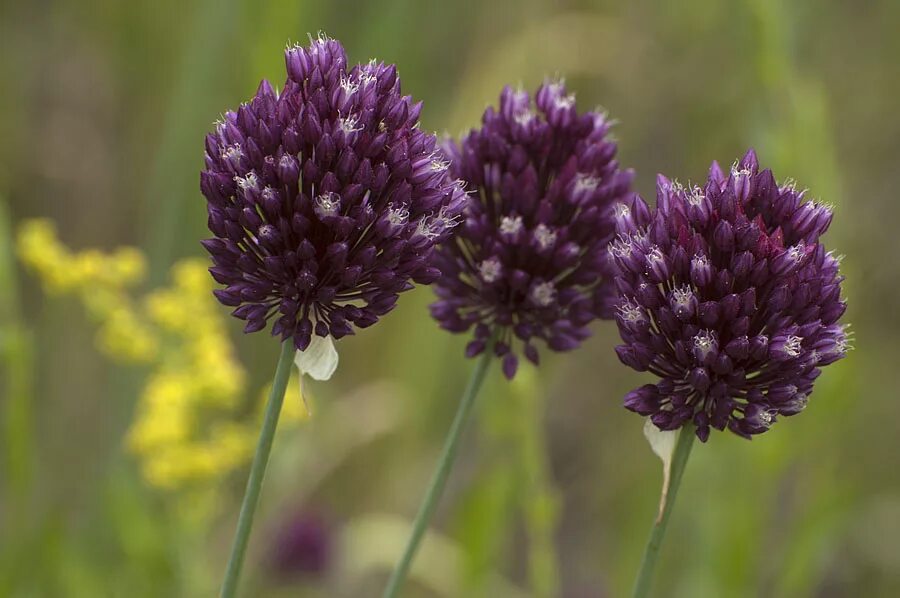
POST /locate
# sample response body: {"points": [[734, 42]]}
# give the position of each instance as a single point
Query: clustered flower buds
{"points": [[324, 199], [530, 259], [728, 296]]}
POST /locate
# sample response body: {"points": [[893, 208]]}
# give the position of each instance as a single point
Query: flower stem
{"points": [[679, 461], [540, 499], [439, 480], [258, 470]]}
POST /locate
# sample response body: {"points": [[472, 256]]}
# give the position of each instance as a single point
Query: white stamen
{"points": [[705, 342], [621, 211], [233, 153], [735, 171], [349, 86], [524, 117], [557, 86], [544, 236], [439, 165], [631, 313], [696, 196], [621, 247], [655, 255], [350, 124], [800, 401], [490, 269], [639, 237], [318, 43], [683, 295], [432, 227], [367, 78], [842, 345], [397, 216], [564, 102], [248, 182], [269, 193], [510, 225], [792, 345], [543, 294], [675, 186], [796, 252], [585, 182], [327, 204]]}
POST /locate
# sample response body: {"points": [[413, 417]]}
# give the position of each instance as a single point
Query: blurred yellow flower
{"points": [[192, 424], [100, 280]]}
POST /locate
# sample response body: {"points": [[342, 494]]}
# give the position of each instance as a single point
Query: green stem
{"points": [[439, 480], [540, 499], [258, 470], [679, 461]]}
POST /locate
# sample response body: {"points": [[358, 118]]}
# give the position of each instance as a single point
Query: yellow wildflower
{"points": [[192, 426]]}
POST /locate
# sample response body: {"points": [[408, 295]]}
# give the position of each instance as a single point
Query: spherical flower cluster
{"points": [[530, 259], [324, 199], [728, 296]]}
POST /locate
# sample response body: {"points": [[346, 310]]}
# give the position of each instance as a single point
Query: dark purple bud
{"points": [[705, 347], [723, 236], [738, 348], [644, 400], [475, 348], [701, 271], [758, 417], [699, 379], [510, 365], [683, 302], [531, 353], [759, 347], [788, 261], [658, 265]]}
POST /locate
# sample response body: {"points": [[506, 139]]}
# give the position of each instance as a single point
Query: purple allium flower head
{"points": [[726, 294], [303, 546], [530, 256], [324, 199]]}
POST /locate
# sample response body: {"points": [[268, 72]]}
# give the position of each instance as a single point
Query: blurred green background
{"points": [[103, 109]]}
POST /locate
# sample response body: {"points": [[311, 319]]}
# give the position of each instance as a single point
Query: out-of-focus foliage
{"points": [[129, 401]]}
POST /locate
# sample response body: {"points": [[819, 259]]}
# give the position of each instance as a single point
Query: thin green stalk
{"points": [[258, 470], [540, 500], [439, 480], [16, 365], [679, 461], [16, 414]]}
